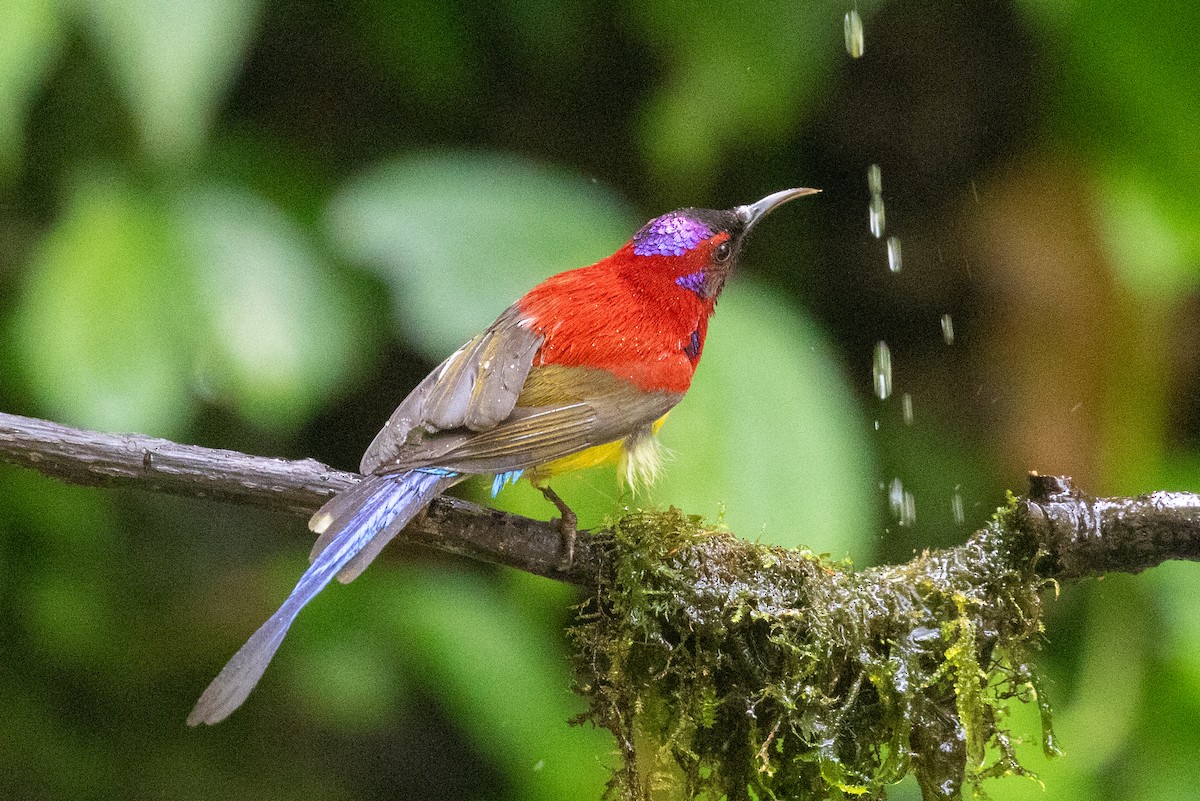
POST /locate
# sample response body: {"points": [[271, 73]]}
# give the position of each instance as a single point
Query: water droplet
{"points": [[881, 370], [893, 248], [956, 506], [947, 329], [875, 180], [854, 33], [906, 406], [875, 216], [902, 503]]}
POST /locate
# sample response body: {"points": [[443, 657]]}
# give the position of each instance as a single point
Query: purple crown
{"points": [[670, 235]]}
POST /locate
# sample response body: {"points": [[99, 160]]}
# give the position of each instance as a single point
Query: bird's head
{"points": [[698, 248]]}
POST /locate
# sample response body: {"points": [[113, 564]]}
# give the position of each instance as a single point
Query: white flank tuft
{"points": [[641, 459]]}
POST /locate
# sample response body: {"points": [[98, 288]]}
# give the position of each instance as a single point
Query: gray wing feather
{"points": [[474, 389], [486, 409], [534, 435]]}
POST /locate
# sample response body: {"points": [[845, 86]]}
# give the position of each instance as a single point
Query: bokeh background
{"points": [[256, 225]]}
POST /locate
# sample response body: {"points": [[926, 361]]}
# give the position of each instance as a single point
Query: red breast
{"points": [[625, 314]]}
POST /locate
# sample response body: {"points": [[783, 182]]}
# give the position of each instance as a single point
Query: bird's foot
{"points": [[567, 523]]}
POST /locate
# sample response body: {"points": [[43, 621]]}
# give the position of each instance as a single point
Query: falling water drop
{"points": [[854, 33], [881, 370], [875, 210], [876, 216], [902, 503], [893, 250], [875, 180], [947, 329], [956, 505], [906, 407]]}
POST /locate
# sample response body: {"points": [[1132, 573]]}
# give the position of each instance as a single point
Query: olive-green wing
{"points": [[472, 390], [560, 411]]}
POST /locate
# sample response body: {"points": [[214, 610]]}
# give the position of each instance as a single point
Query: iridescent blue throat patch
{"points": [[692, 281], [670, 235]]}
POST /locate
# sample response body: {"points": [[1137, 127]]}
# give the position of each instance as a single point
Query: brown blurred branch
{"points": [[1073, 535]]}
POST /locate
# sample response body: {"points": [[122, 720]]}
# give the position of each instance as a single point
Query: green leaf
{"points": [[771, 431], [133, 302], [173, 62], [281, 328], [103, 329], [461, 236], [30, 38]]}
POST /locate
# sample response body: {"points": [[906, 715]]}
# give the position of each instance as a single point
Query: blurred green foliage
{"points": [[1127, 98], [486, 227], [105, 312], [172, 63], [738, 71], [258, 225]]}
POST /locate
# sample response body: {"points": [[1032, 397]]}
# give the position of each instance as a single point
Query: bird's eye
{"points": [[723, 250]]}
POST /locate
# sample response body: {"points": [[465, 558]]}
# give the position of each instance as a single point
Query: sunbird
{"points": [[579, 372]]}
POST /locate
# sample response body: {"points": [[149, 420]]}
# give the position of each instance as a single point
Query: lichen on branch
{"points": [[747, 671]]}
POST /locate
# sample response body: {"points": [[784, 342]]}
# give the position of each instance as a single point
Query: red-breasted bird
{"points": [[581, 371]]}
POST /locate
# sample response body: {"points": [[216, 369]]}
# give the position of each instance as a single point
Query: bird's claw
{"points": [[567, 528]]}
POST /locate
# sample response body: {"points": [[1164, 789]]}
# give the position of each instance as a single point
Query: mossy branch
{"points": [[732, 667], [745, 671]]}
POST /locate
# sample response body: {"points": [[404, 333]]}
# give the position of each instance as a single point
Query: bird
{"points": [[580, 371]]}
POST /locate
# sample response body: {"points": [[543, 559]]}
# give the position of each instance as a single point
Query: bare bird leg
{"points": [[566, 527]]}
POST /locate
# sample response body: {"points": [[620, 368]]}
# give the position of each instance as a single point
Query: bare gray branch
{"points": [[298, 487]]}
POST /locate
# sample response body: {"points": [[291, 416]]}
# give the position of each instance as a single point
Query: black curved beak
{"points": [[752, 213]]}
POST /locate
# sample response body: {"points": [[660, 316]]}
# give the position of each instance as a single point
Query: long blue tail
{"points": [[354, 527]]}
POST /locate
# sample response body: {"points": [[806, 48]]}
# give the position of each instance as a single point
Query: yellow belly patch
{"points": [[639, 458]]}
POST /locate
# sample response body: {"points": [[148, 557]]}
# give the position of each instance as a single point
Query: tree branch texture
{"points": [[297, 487], [1077, 535]]}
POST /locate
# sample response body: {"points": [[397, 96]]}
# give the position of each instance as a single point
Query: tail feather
{"points": [[354, 526], [432, 484]]}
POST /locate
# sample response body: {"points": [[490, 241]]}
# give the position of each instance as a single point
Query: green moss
{"points": [[741, 671]]}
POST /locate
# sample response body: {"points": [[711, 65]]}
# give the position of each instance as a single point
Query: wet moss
{"points": [[733, 670]]}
